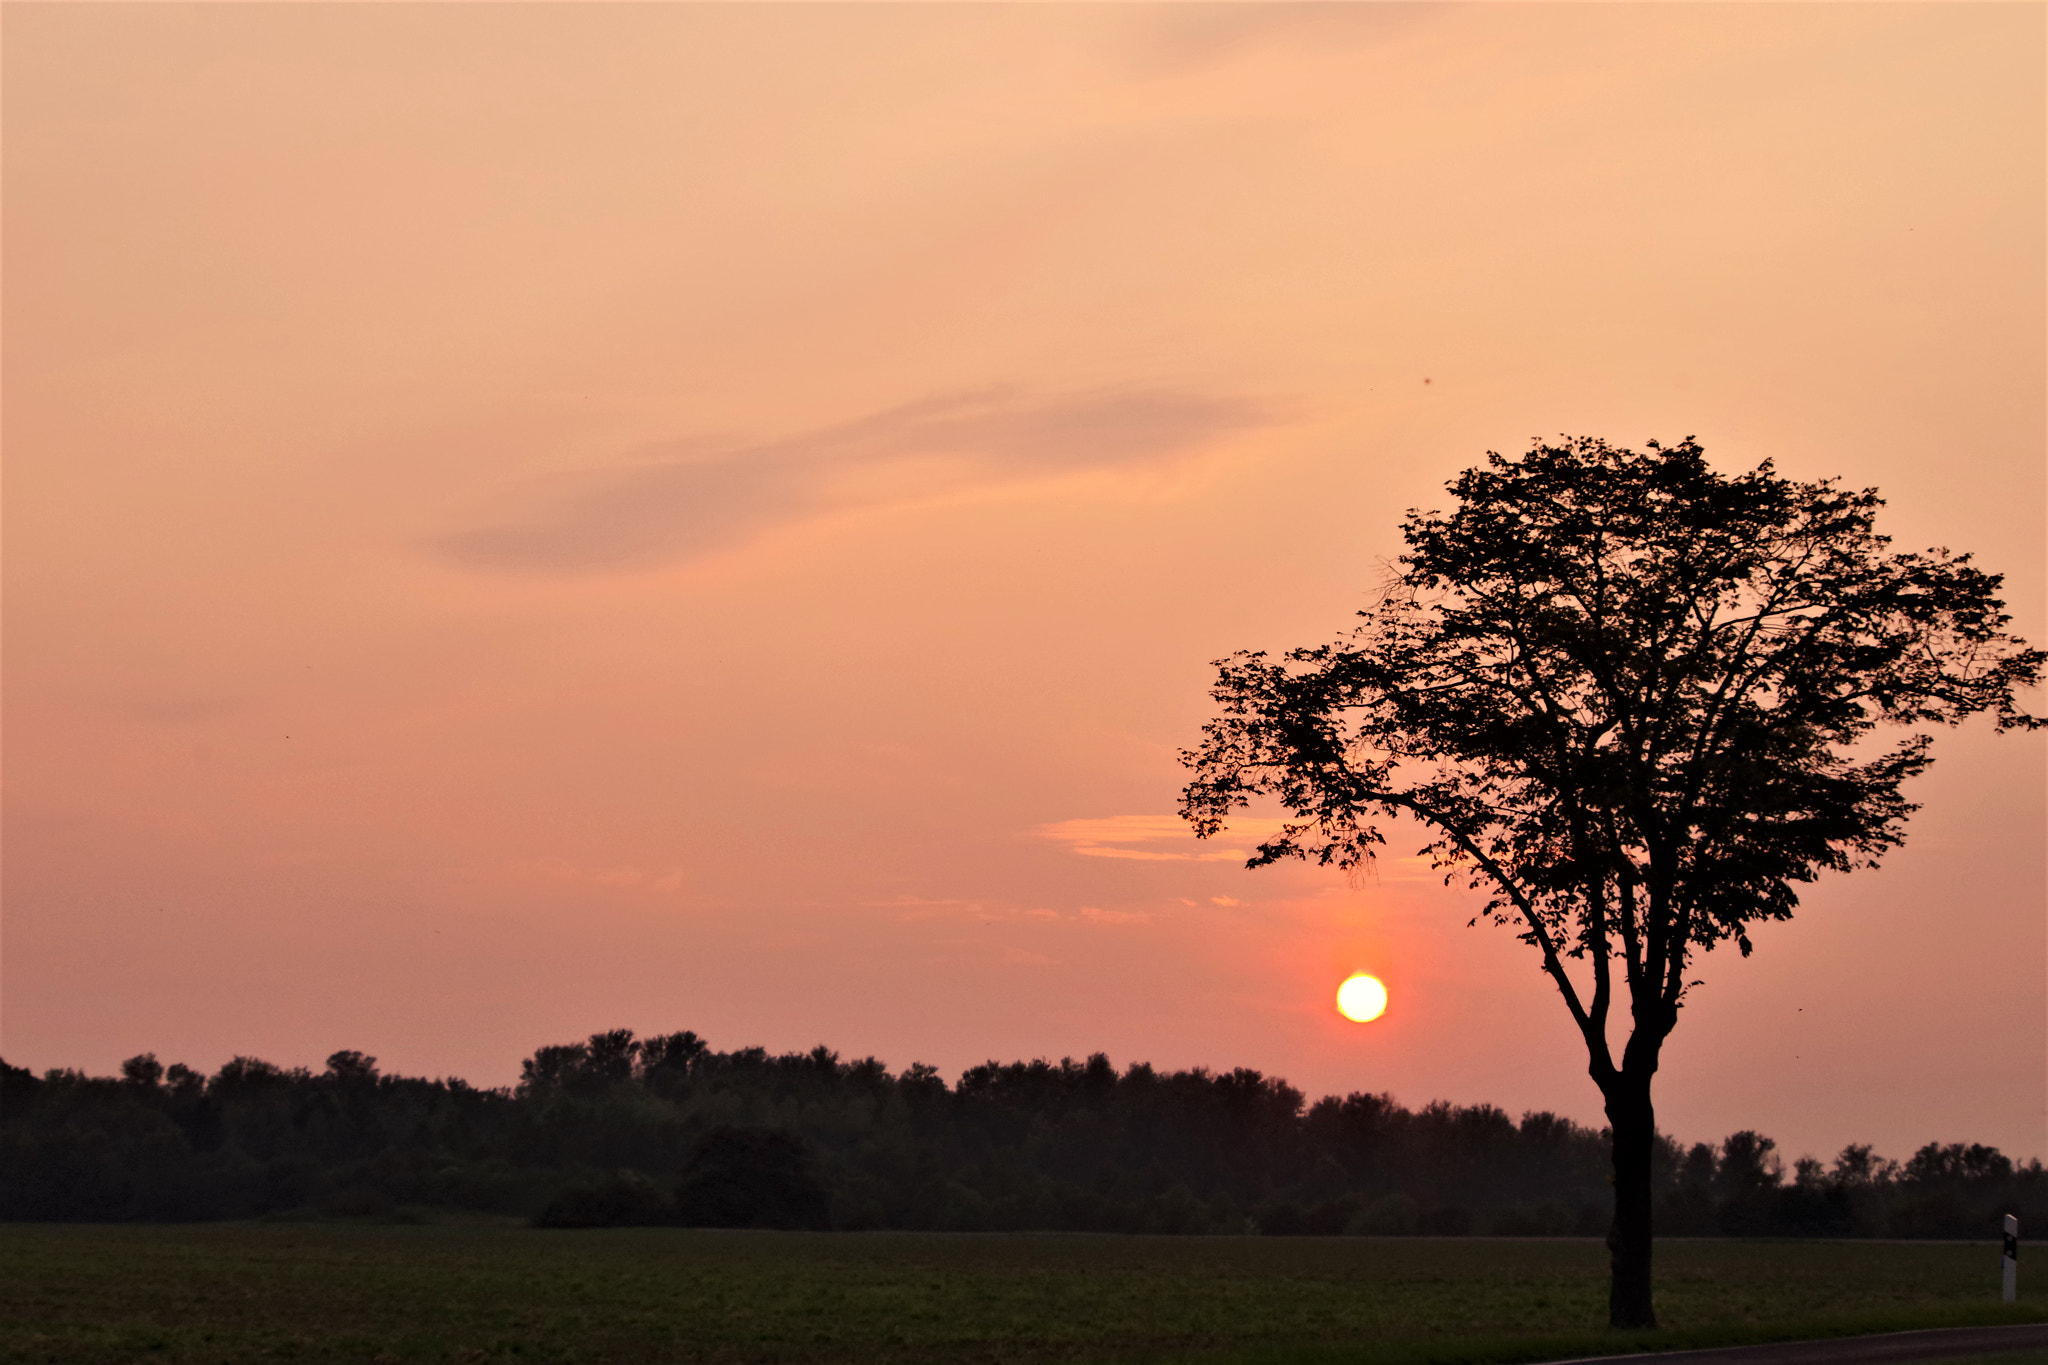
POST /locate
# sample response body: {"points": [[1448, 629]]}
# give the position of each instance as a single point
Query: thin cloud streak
{"points": [[1186, 39], [681, 507], [1111, 837]]}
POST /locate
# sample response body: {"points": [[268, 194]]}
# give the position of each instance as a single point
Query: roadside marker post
{"points": [[2010, 1261]]}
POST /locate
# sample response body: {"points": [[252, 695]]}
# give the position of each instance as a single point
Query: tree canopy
{"points": [[683, 1133]]}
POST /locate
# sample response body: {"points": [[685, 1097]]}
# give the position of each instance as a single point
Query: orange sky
{"points": [[530, 519]]}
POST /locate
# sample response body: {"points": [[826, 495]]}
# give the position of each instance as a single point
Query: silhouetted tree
{"points": [[352, 1068], [1627, 697], [144, 1070], [1750, 1173]]}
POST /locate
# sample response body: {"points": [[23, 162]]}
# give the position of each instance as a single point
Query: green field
{"points": [[329, 1292]]}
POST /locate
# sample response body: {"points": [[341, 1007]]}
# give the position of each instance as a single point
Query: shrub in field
{"points": [[620, 1199], [1393, 1215], [751, 1178]]}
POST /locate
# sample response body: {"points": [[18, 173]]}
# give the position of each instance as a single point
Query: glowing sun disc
{"points": [[1362, 998]]}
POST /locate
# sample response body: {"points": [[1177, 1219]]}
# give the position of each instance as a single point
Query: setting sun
{"points": [[1362, 998]]}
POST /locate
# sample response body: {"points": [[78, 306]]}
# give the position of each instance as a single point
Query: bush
{"points": [[622, 1199], [751, 1178], [1392, 1215]]}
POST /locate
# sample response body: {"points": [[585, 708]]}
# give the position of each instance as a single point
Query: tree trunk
{"points": [[1634, 1126]]}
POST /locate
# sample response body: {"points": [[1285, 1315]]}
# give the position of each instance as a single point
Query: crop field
{"points": [[317, 1292]]}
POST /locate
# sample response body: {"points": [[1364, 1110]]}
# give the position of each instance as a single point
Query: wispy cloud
{"points": [[694, 497], [616, 878], [1165, 838], [1179, 39], [987, 912], [1095, 915]]}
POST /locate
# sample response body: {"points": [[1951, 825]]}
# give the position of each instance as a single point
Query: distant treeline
{"points": [[620, 1130]]}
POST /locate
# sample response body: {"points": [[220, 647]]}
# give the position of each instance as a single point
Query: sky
{"points": [[530, 519]]}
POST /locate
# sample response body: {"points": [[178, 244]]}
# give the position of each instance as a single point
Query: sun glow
{"points": [[1362, 998]]}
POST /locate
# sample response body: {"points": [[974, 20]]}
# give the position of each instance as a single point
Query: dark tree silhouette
{"points": [[1629, 699], [746, 1138]]}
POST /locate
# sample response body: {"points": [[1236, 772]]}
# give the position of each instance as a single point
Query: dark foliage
{"points": [[751, 1178], [621, 1130], [621, 1199]]}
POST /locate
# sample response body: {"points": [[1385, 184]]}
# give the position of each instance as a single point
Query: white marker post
{"points": [[2010, 1262]]}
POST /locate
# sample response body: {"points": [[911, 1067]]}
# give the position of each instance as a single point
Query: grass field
{"points": [[473, 1293]]}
